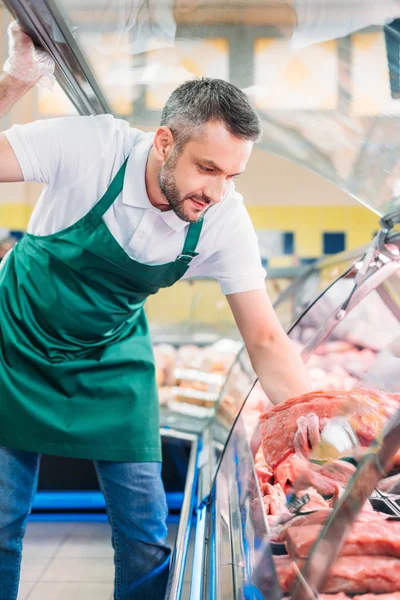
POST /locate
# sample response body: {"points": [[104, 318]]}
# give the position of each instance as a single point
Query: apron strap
{"points": [[112, 192], [194, 231], [191, 241]]}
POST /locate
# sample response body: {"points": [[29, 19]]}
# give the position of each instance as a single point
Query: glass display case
{"points": [[323, 75], [277, 490]]}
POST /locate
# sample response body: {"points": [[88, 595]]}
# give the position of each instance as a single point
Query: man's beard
{"points": [[167, 183]]}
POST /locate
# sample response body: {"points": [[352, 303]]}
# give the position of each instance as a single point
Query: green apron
{"points": [[77, 374]]}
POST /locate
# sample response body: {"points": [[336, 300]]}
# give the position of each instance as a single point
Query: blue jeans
{"points": [[136, 509]]}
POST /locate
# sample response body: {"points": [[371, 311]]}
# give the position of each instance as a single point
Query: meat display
{"points": [[379, 537], [393, 596], [369, 563], [366, 410], [295, 471], [361, 574], [341, 596], [274, 498], [338, 365], [190, 377]]}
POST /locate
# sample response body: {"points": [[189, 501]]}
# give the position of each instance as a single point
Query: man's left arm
{"points": [[274, 357]]}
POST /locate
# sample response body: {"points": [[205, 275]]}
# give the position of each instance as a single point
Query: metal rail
{"points": [[178, 560], [43, 21]]}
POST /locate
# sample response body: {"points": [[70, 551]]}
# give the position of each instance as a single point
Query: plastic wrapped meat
{"points": [[165, 358], [189, 357], [220, 356]]}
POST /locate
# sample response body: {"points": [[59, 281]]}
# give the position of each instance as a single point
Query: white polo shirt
{"points": [[77, 157]]}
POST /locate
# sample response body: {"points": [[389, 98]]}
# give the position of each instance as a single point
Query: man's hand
{"points": [[25, 62], [25, 66], [274, 357], [308, 434]]}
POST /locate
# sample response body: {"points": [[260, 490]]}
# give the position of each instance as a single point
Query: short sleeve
{"points": [[63, 148]]}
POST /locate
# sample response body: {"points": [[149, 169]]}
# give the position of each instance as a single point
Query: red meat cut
{"points": [[367, 411], [264, 475], [316, 501], [274, 499], [382, 538], [360, 575], [340, 596], [302, 473], [393, 596], [319, 517]]}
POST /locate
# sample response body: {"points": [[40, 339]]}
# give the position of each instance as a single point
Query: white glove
{"points": [[25, 61]]}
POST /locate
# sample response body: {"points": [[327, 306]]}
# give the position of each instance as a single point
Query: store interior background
{"points": [[299, 216]]}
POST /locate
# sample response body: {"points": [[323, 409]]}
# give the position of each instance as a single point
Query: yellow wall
{"points": [[310, 222], [307, 222]]}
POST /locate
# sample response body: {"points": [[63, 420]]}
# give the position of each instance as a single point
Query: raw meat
{"points": [[264, 475], [367, 411], [295, 471], [334, 597], [274, 498], [393, 596], [367, 510], [316, 501], [334, 346], [307, 435], [318, 518], [358, 575], [390, 484], [378, 538], [286, 572]]}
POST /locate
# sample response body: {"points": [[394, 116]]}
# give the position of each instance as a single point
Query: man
{"points": [[122, 214]]}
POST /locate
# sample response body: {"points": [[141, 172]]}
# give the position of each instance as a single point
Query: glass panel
{"points": [[54, 103], [305, 289], [241, 527], [311, 449], [316, 71]]}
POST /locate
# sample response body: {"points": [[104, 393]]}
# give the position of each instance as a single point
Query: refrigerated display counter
{"points": [[318, 74], [237, 552], [313, 281]]}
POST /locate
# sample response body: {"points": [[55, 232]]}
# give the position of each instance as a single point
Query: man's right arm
{"points": [[25, 66], [11, 90]]}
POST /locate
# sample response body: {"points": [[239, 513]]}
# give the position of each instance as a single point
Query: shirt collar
{"points": [[135, 193]]}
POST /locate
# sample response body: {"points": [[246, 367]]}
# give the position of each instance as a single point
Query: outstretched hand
{"points": [[25, 61]]}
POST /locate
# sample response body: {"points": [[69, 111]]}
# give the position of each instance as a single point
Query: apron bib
{"points": [[77, 373]]}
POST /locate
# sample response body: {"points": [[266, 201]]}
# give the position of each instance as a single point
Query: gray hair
{"points": [[197, 102]]}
